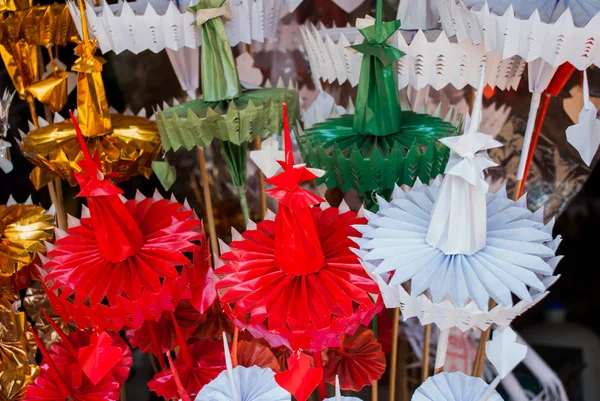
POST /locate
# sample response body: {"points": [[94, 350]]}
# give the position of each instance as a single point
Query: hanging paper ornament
{"points": [[301, 258], [225, 112], [380, 145], [251, 383], [23, 227], [215, 324], [126, 144], [257, 353], [358, 362], [453, 387], [301, 379], [116, 267], [585, 135]]}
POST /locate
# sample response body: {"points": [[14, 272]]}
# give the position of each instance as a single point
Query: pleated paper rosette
{"points": [[380, 145], [454, 386], [301, 257], [459, 247]]}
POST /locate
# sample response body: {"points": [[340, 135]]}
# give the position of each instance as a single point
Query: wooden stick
{"points": [[374, 391], [261, 182], [472, 99], [394, 360], [210, 219], [426, 344], [480, 356], [403, 373], [123, 396], [234, 347]]}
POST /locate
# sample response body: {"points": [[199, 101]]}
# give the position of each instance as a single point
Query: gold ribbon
{"points": [[206, 14]]}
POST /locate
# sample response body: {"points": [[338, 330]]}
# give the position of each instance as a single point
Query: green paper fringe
{"points": [[257, 113], [369, 163]]}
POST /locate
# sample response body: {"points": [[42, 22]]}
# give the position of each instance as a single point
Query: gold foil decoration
{"points": [[34, 301], [127, 145], [17, 354], [52, 91], [22, 230], [14, 5]]}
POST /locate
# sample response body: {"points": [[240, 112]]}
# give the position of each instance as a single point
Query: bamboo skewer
{"points": [[210, 218], [261, 183], [426, 344], [394, 361]]}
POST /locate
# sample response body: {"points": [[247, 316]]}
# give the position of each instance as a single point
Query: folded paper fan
{"points": [[302, 258], [251, 383], [257, 353], [117, 265], [380, 145], [23, 228], [555, 32], [454, 387], [358, 362], [454, 240]]}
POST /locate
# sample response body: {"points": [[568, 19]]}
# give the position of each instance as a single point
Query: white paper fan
{"points": [[454, 386]]}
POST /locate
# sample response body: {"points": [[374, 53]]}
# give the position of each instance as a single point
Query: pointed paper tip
{"points": [[46, 356], [338, 393], [182, 393], [80, 138], [184, 351]]}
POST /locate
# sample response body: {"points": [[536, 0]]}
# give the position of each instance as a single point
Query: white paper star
{"points": [[504, 352], [585, 135], [266, 158]]}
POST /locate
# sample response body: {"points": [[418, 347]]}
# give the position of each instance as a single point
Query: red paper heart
{"points": [[98, 358], [300, 379]]}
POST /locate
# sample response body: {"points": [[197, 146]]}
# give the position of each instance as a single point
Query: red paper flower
{"points": [[197, 364], [359, 363], [124, 254], [62, 378], [295, 281]]}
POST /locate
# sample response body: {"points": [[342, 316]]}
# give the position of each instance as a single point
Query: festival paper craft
{"points": [[126, 271], [454, 386], [381, 144], [440, 240], [126, 144], [257, 353], [225, 112], [323, 108], [186, 64], [23, 228], [520, 28], [359, 361], [432, 58], [63, 381], [585, 135], [349, 5], [243, 384], [338, 394], [301, 258]]}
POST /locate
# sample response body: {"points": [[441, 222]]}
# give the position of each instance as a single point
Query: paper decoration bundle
{"points": [[380, 145], [126, 144], [225, 112]]}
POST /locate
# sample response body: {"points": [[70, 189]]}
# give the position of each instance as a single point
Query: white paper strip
{"points": [[530, 37], [158, 24], [585, 135], [431, 59]]}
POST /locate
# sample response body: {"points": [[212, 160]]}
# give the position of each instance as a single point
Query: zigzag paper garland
{"points": [[531, 38], [151, 24], [431, 59]]}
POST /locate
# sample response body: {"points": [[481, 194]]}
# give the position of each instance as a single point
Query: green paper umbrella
{"points": [[226, 113], [379, 146]]}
